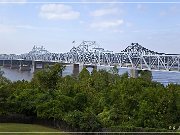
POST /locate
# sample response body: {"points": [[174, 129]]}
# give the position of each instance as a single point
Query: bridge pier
{"points": [[7, 63], [1, 62], [37, 65], [134, 73], [25, 66], [15, 64], [75, 69]]}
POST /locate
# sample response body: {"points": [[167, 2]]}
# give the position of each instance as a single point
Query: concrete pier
{"points": [[15, 64], [1, 62], [25, 68], [37, 65], [7, 63], [25, 65], [75, 69], [134, 73]]}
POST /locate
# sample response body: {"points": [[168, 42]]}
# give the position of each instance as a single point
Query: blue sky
{"points": [[114, 26]]}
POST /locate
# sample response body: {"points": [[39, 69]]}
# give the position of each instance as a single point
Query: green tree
{"points": [[84, 74], [23, 101], [173, 91], [47, 79], [145, 74], [5, 92]]}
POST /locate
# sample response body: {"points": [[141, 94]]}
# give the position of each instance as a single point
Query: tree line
{"points": [[90, 101]]}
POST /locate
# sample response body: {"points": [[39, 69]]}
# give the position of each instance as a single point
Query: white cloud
{"points": [[58, 12], [103, 12], [101, 25]]}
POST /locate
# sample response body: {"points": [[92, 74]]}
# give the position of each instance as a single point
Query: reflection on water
{"points": [[160, 76]]}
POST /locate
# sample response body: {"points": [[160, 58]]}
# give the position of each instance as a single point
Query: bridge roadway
{"points": [[89, 54]]}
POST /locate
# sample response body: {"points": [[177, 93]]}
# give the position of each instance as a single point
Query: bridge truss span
{"points": [[90, 52], [158, 62]]}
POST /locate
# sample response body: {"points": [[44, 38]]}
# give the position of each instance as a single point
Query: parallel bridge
{"points": [[89, 53]]}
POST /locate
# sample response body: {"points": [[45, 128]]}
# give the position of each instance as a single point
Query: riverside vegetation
{"points": [[90, 102]]}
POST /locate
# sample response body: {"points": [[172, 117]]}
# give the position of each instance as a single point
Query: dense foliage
{"points": [[92, 101]]}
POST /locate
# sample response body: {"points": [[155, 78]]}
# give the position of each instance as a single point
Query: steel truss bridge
{"points": [[89, 53]]}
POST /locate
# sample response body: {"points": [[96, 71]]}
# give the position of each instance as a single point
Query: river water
{"points": [[159, 76]]}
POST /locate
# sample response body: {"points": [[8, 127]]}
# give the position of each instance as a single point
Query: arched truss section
{"points": [[138, 50]]}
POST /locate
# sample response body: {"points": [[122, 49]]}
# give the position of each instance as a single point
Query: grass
{"points": [[16, 127]]}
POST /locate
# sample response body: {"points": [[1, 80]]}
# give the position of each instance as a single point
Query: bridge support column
{"points": [[7, 63], [25, 66], [95, 68], [134, 73], [37, 65], [75, 69], [15, 64], [1, 62]]}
